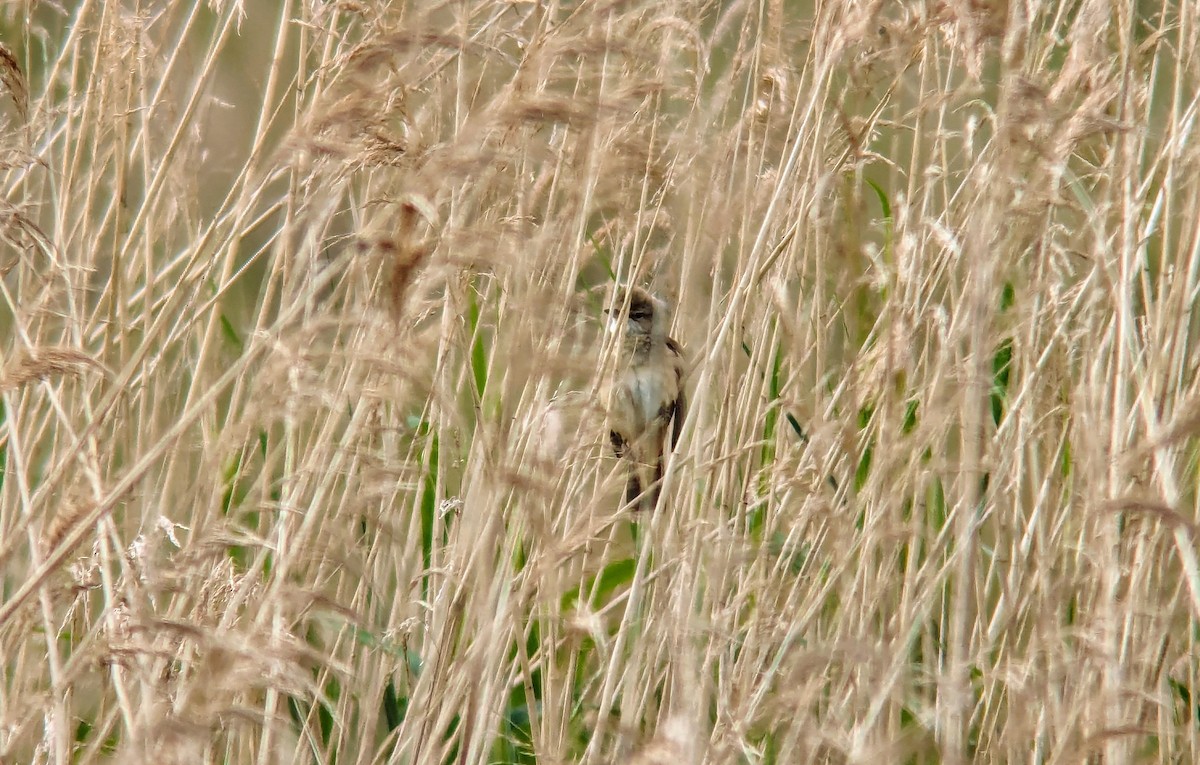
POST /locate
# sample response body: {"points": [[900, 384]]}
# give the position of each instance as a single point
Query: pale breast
{"points": [[643, 392], [649, 392]]}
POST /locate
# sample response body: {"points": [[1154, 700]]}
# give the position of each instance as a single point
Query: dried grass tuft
{"points": [[41, 363], [317, 471], [13, 80]]}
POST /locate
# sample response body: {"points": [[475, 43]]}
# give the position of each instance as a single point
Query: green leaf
{"points": [[1001, 373], [910, 416], [394, 708], [479, 367], [863, 471], [85, 730], [299, 710], [936, 506], [333, 691], [796, 553], [773, 413], [1184, 694], [774, 389], [231, 335], [603, 255], [233, 496], [230, 475], [3, 446], [428, 506], [1008, 296], [603, 584], [883, 198], [412, 659]]}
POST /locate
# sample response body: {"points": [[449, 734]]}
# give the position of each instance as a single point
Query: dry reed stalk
{"points": [[934, 501]]}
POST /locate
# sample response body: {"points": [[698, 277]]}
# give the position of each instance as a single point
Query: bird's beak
{"points": [[612, 324]]}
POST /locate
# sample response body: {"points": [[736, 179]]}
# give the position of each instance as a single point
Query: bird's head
{"points": [[636, 312]]}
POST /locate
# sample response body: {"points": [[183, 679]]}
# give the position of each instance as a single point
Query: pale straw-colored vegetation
{"points": [[288, 287]]}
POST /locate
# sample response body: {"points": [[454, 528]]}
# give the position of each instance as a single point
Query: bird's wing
{"points": [[679, 408], [677, 418]]}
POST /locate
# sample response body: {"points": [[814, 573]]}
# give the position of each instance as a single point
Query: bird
{"points": [[645, 401]]}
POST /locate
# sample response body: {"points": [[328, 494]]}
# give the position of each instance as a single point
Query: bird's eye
{"points": [[639, 314]]}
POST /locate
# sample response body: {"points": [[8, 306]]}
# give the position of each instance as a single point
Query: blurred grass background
{"points": [[291, 292]]}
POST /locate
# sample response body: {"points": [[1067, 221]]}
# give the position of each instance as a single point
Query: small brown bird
{"points": [[645, 399]]}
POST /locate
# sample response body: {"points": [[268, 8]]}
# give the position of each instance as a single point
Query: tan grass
{"points": [[301, 345]]}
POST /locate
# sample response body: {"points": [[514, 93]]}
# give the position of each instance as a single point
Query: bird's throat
{"points": [[638, 347]]}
